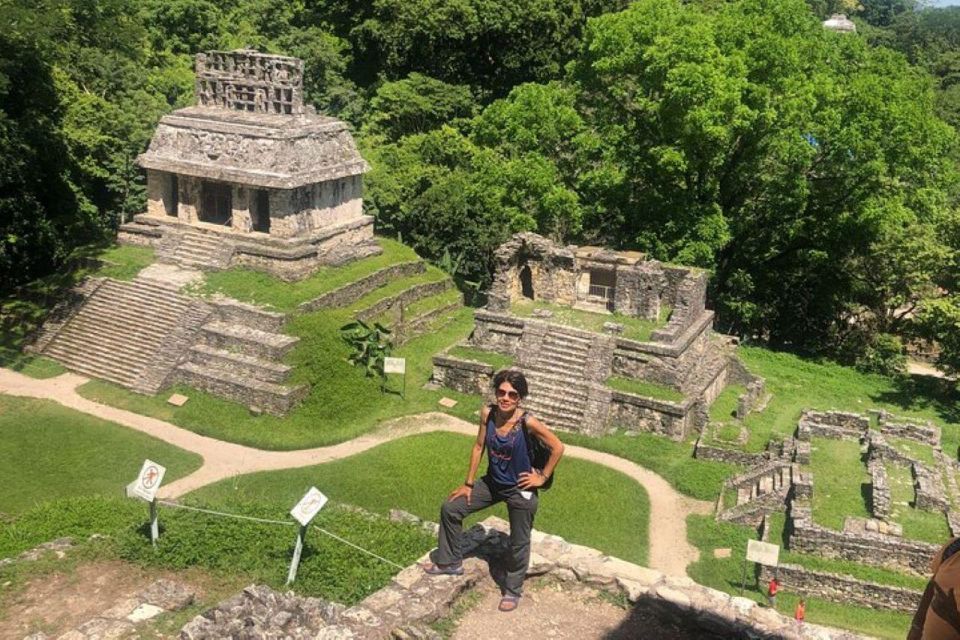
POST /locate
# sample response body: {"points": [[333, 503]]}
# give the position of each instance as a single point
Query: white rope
{"points": [[369, 553], [285, 523], [225, 515]]}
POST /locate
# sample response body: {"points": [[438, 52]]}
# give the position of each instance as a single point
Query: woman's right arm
{"points": [[466, 489]]}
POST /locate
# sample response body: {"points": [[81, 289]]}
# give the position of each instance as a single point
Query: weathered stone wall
{"points": [[551, 268], [704, 451], [465, 376], [408, 295], [839, 425], [350, 293], [928, 433], [868, 548], [638, 414], [845, 590], [497, 332], [930, 493], [747, 401], [879, 489], [879, 448], [671, 366], [688, 305]]}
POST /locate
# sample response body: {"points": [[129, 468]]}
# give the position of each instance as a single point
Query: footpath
{"points": [[670, 552]]}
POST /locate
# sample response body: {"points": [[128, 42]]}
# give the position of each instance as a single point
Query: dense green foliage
{"points": [[808, 170]]}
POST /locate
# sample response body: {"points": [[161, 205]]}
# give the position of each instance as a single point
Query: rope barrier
{"points": [[347, 542], [285, 523]]}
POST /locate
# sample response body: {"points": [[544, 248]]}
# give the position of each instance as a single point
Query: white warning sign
{"points": [[148, 482], [763, 552], [309, 506]]}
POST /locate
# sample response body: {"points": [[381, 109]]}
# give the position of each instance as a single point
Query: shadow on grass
{"points": [[924, 392]]}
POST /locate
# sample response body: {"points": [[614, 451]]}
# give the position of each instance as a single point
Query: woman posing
{"points": [[510, 478]]}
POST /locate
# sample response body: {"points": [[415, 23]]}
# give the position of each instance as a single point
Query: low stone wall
{"points": [[880, 490], [688, 306], [641, 414], [838, 425], [927, 433], [868, 548], [405, 297], [273, 398], [249, 315], [845, 590], [880, 449], [350, 293], [747, 401], [465, 376], [498, 332], [703, 451], [930, 493]]}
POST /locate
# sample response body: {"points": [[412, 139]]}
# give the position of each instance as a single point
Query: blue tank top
{"points": [[507, 456]]}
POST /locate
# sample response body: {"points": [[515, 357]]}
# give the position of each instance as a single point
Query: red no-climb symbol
{"points": [[310, 504], [149, 477]]}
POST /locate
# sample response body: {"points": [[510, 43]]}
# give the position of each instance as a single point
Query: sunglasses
{"points": [[513, 395]]}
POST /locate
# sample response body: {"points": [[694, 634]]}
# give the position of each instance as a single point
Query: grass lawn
{"points": [[840, 482], [39, 367], [416, 473], [797, 383], [240, 550], [645, 388], [724, 408], [263, 289], [123, 262], [496, 360], [917, 524], [725, 574], [49, 452], [702, 479], [634, 328]]}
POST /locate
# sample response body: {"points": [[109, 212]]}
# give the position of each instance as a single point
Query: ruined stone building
{"points": [[568, 367], [251, 176]]}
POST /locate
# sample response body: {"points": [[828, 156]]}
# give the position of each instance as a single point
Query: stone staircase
{"points": [[760, 492], [559, 390], [239, 355], [122, 332], [195, 250]]}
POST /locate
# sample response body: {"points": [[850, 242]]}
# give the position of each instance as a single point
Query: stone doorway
{"points": [[260, 211], [526, 282], [216, 203], [171, 196]]}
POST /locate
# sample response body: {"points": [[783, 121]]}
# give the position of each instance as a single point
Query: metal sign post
{"points": [[308, 507], [145, 487], [397, 365]]}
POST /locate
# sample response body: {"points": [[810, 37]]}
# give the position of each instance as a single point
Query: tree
{"points": [[789, 159], [939, 320], [416, 104]]}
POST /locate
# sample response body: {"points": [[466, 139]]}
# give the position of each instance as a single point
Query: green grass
{"points": [[840, 482], [701, 479], [496, 360], [645, 388], [38, 367], [797, 383], [917, 524], [49, 452], [727, 433], [260, 288], [430, 303], [634, 328], [392, 288], [259, 553], [724, 408], [123, 262], [914, 450], [416, 474], [725, 574]]}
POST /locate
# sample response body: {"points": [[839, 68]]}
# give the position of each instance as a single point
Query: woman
{"points": [[510, 478]]}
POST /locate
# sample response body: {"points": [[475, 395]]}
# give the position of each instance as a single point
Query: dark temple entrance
{"points": [[216, 203]]}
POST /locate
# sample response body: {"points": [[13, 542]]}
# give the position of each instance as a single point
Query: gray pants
{"points": [[485, 493]]}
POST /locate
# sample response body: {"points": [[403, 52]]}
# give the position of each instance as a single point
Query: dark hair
{"points": [[516, 379]]}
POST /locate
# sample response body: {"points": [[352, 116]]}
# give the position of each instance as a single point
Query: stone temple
{"points": [[250, 176], [247, 177]]}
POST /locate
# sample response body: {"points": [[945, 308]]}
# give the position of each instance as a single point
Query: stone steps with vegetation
{"points": [[245, 365], [425, 315], [117, 334], [351, 292], [255, 393], [420, 287], [196, 250], [246, 340]]}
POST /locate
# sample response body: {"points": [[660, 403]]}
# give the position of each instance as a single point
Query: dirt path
{"points": [[669, 550]]}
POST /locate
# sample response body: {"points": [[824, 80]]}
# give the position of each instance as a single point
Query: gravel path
{"points": [[669, 550]]}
